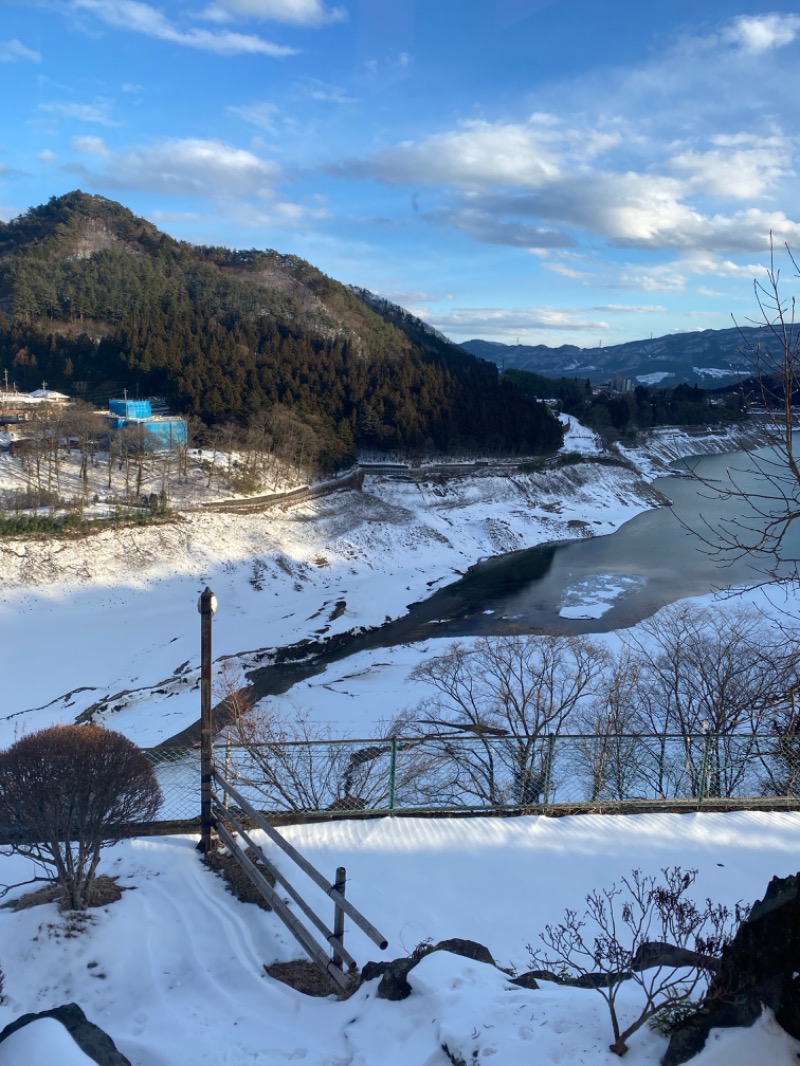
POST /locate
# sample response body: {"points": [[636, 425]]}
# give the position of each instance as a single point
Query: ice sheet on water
{"points": [[592, 596]]}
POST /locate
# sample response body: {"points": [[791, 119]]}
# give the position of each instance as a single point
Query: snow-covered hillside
{"points": [[109, 618]]}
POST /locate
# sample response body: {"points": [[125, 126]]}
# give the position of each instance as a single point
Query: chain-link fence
{"points": [[483, 773], [178, 773]]}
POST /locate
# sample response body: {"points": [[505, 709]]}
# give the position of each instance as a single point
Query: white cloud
{"points": [[528, 154], [329, 94], [537, 185], [261, 115], [479, 154], [89, 145], [761, 33], [638, 208], [46, 156], [573, 273], [297, 12], [739, 233], [189, 167], [138, 17], [412, 299], [486, 227], [96, 113], [175, 216], [691, 150], [293, 212], [11, 51], [513, 321], [710, 265], [628, 208], [659, 279], [674, 276], [742, 165], [628, 309]]}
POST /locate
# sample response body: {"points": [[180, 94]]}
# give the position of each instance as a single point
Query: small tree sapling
{"points": [[644, 931]]}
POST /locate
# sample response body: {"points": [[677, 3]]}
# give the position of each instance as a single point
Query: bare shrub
{"points": [[67, 792], [629, 933], [298, 764]]}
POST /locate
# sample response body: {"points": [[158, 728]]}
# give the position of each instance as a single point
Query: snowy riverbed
{"points": [[110, 618]]}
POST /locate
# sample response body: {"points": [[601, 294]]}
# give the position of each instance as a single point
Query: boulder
{"points": [[394, 975], [89, 1037]]}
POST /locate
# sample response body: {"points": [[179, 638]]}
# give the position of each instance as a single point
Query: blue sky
{"points": [[553, 171]]}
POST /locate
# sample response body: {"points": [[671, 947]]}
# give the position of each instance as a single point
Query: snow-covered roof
{"points": [[49, 394]]}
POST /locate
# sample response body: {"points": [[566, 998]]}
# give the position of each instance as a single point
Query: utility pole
{"points": [[206, 605]]}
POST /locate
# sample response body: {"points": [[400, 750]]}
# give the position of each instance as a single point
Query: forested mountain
{"points": [[94, 300]]}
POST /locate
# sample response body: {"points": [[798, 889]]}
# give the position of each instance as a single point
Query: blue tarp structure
{"points": [[130, 408], [158, 433]]}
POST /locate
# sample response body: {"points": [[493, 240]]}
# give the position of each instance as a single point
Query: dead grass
{"points": [[236, 879], [105, 890], [306, 977]]}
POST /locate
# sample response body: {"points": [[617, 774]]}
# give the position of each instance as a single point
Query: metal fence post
{"points": [[206, 605], [702, 786], [548, 770], [226, 799], [392, 772]]}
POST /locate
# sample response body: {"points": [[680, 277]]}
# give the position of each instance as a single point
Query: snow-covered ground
{"points": [[109, 619], [174, 970]]}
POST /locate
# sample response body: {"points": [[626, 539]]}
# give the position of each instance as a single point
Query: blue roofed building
{"points": [[159, 432]]}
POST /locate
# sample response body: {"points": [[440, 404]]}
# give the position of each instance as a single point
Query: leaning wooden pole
{"points": [[311, 871], [289, 889], [291, 921], [206, 605]]}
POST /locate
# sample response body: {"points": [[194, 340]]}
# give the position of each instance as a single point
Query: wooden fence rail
{"points": [[228, 827]]}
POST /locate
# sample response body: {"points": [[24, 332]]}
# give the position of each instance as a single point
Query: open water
{"points": [[654, 559]]}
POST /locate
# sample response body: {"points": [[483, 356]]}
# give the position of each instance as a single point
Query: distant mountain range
{"points": [[711, 358]]}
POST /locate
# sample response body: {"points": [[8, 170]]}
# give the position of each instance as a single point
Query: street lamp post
{"points": [[206, 605]]}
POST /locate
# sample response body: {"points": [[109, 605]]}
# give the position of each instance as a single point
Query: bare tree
{"points": [[83, 425], [43, 433], [610, 745], [764, 489], [67, 792], [299, 765], [702, 672], [496, 703]]}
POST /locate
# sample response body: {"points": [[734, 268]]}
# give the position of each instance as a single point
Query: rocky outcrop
{"points": [[756, 972], [89, 1037], [394, 975]]}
